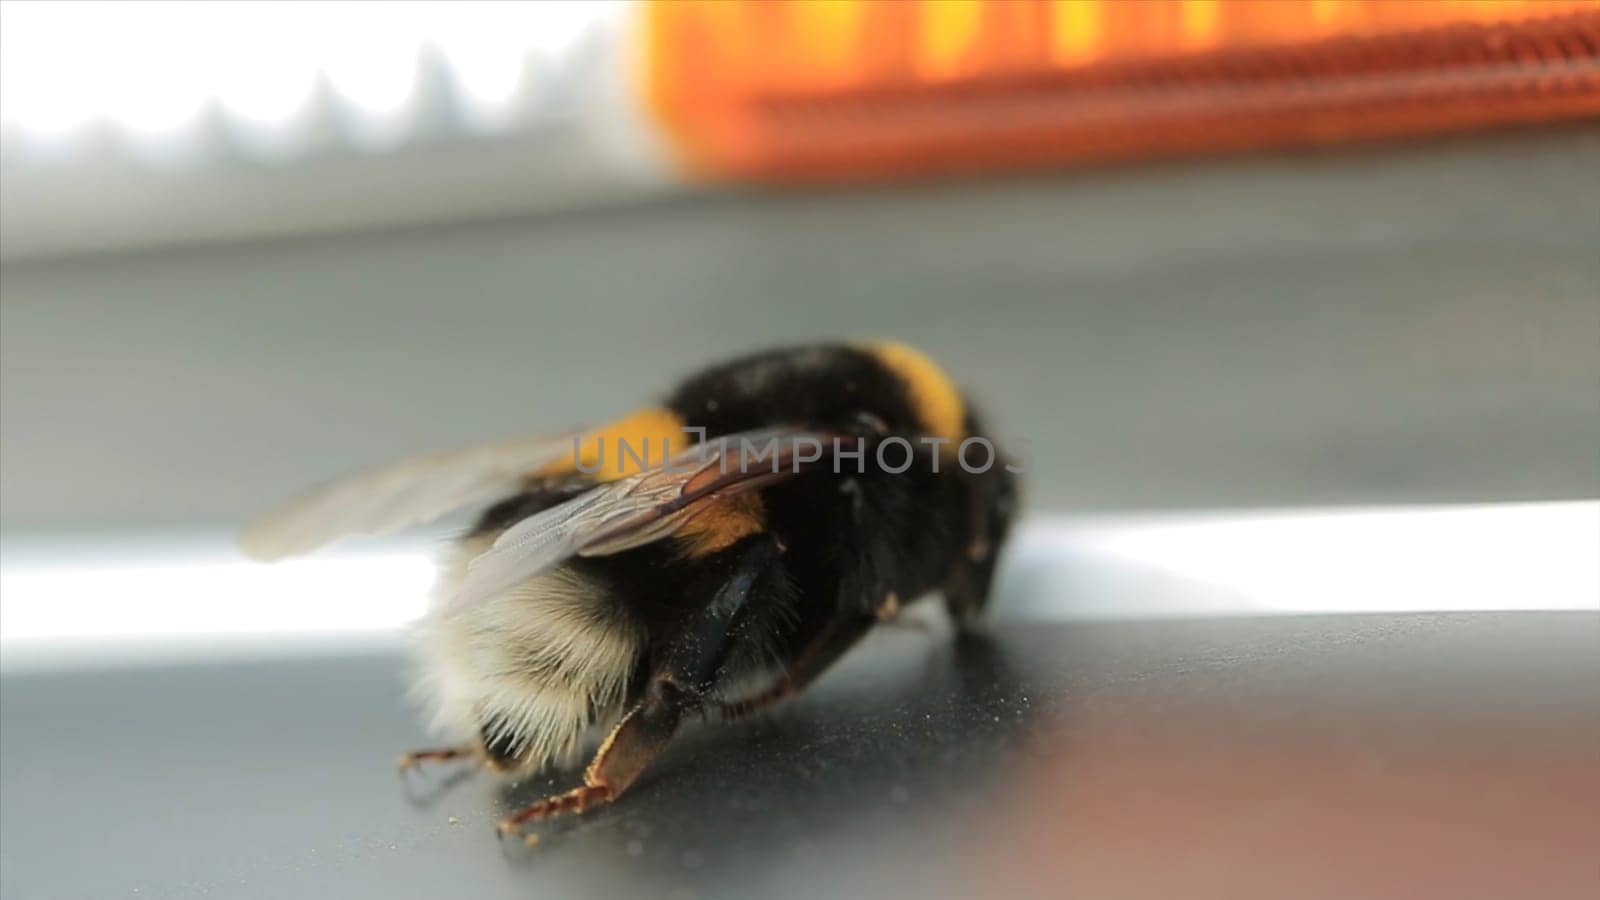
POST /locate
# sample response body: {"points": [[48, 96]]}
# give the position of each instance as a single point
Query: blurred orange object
{"points": [[799, 90]]}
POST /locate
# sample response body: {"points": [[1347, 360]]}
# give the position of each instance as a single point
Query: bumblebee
{"points": [[708, 556]]}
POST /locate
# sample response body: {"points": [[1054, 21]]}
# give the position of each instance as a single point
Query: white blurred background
{"points": [[130, 124]]}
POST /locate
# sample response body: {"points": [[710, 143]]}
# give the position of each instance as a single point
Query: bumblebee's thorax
{"points": [[831, 384]]}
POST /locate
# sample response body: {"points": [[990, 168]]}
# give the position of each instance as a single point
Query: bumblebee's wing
{"points": [[404, 493], [641, 508]]}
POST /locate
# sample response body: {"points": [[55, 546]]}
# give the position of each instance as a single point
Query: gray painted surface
{"points": [[1364, 327], [1424, 755]]}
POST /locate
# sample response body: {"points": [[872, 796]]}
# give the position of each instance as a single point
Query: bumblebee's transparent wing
{"points": [[641, 508], [404, 493]]}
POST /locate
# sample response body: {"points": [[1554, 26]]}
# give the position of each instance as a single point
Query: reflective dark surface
{"points": [[1419, 755]]}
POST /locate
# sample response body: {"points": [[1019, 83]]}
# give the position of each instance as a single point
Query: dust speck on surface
{"points": [[636, 848]]}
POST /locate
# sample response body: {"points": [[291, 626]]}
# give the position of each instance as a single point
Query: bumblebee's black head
{"points": [[995, 489], [987, 509]]}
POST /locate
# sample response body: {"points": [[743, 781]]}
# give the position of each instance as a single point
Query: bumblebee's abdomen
{"points": [[531, 669]]}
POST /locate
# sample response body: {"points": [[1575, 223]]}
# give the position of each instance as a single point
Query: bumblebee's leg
{"points": [[688, 665], [424, 791], [967, 592], [415, 758], [630, 747], [966, 588], [838, 636]]}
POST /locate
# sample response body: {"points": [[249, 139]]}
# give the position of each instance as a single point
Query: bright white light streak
{"points": [[1513, 556], [219, 597], [1518, 556]]}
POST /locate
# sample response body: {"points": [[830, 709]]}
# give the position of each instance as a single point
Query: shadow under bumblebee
{"points": [[604, 595]]}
